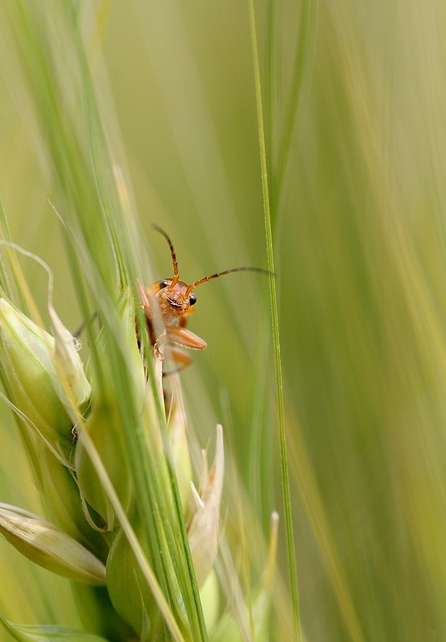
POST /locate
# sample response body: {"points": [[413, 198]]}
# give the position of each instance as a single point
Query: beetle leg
{"points": [[77, 333], [158, 343], [147, 307], [145, 300], [178, 356], [184, 338], [157, 352]]}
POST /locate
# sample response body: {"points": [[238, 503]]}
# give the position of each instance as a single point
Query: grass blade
{"points": [[276, 336]]}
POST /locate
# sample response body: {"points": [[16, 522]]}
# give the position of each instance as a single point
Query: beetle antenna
{"points": [[215, 276], [172, 252]]}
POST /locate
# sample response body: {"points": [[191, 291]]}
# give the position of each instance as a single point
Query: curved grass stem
{"points": [[276, 336]]}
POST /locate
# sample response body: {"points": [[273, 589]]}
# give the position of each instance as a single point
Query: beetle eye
{"points": [[164, 284], [192, 299]]}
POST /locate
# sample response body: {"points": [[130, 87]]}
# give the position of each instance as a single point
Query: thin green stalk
{"points": [[5, 284], [276, 336], [271, 93], [302, 65], [9, 283]]}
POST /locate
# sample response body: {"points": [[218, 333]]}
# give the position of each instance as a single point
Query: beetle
{"points": [[168, 304]]}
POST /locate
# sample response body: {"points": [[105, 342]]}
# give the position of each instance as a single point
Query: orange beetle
{"points": [[172, 301]]}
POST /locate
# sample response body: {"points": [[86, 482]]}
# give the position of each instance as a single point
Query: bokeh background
{"points": [[359, 228]]}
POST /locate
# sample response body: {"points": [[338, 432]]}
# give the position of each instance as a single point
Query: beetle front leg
{"points": [[184, 338], [156, 348], [144, 297]]}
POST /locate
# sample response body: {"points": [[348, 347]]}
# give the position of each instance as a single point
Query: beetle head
{"points": [[175, 296]]}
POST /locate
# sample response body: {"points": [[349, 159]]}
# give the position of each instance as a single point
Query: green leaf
{"points": [[103, 427], [128, 589], [27, 362], [41, 633], [46, 545]]}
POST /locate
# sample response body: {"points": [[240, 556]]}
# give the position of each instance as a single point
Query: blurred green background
{"points": [[360, 250]]}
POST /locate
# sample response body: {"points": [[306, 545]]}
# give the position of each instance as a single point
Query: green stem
{"points": [[302, 65], [276, 337]]}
